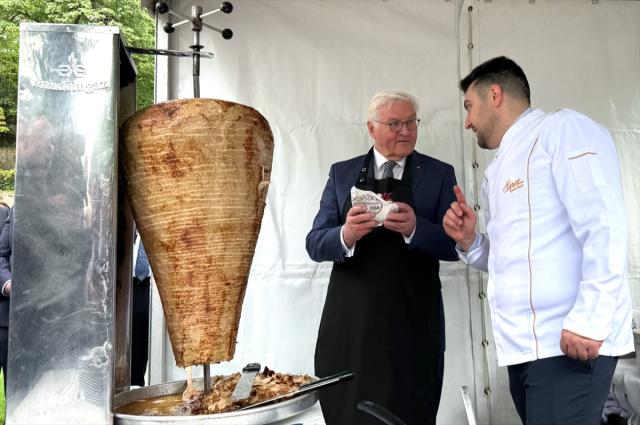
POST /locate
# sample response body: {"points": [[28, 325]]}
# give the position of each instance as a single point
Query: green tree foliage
{"points": [[9, 35], [3, 124], [7, 180], [134, 22]]}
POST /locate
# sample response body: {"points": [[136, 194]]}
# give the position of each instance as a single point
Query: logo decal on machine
{"points": [[66, 71], [78, 70]]}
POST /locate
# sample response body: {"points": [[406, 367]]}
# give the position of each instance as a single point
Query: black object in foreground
{"points": [[379, 412]]}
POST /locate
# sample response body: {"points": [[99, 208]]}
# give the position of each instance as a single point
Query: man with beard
{"points": [[555, 247], [383, 317]]}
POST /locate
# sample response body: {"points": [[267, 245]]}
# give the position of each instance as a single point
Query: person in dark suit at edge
{"points": [[6, 259], [140, 314], [383, 316]]}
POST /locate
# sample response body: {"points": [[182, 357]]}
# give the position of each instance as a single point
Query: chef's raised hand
{"points": [[402, 221], [359, 223], [579, 347], [460, 221]]}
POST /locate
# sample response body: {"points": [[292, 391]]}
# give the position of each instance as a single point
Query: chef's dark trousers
{"points": [[561, 390], [140, 331], [4, 352], [441, 373]]}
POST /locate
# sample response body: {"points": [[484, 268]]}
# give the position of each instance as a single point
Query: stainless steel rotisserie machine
{"points": [[69, 337], [71, 303]]}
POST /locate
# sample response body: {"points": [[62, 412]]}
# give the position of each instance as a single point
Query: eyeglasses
{"points": [[396, 126]]}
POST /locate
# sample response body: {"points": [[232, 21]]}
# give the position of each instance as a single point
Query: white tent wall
{"points": [[311, 67]]}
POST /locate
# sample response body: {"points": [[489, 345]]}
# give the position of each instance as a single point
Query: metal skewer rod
{"points": [[179, 15], [207, 379], [177, 24], [203, 24], [166, 52], [209, 13], [196, 65], [211, 28], [186, 21], [196, 27]]}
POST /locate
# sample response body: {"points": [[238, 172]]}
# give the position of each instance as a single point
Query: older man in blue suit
{"points": [[383, 317]]}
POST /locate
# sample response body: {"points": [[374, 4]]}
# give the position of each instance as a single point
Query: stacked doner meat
{"points": [[196, 172], [267, 384]]}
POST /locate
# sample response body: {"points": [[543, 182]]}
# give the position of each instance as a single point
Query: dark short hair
{"points": [[503, 72]]}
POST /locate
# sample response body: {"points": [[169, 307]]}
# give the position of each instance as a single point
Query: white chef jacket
{"points": [[556, 240]]}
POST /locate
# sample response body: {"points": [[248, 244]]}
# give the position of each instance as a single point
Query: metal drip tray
{"points": [[257, 416]]}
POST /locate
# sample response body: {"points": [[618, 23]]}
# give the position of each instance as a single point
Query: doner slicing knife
{"points": [[466, 398], [321, 383], [244, 385]]}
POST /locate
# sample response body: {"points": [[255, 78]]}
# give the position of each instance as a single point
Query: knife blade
{"points": [[321, 383], [244, 385], [466, 398]]}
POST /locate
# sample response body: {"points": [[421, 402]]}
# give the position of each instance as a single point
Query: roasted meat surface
{"points": [[196, 174]]}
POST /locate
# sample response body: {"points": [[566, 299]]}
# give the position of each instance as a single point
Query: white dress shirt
{"points": [[556, 240], [136, 247], [379, 161]]}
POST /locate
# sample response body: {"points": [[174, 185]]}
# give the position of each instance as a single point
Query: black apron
{"points": [[381, 319]]}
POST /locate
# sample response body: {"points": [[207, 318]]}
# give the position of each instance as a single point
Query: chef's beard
{"points": [[482, 141], [489, 121]]}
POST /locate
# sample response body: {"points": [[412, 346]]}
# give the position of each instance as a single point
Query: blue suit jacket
{"points": [[6, 261], [432, 183]]}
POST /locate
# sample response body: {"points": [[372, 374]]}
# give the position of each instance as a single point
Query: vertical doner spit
{"points": [[195, 172], [193, 254]]}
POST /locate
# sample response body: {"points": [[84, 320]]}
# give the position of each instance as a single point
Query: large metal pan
{"points": [[257, 416]]}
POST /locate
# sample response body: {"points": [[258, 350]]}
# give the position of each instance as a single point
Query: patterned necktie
{"points": [[142, 264], [388, 169]]}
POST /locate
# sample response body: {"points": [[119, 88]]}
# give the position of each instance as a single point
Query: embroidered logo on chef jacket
{"points": [[512, 186]]}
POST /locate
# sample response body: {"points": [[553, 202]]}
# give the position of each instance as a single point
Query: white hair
{"points": [[386, 98]]}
